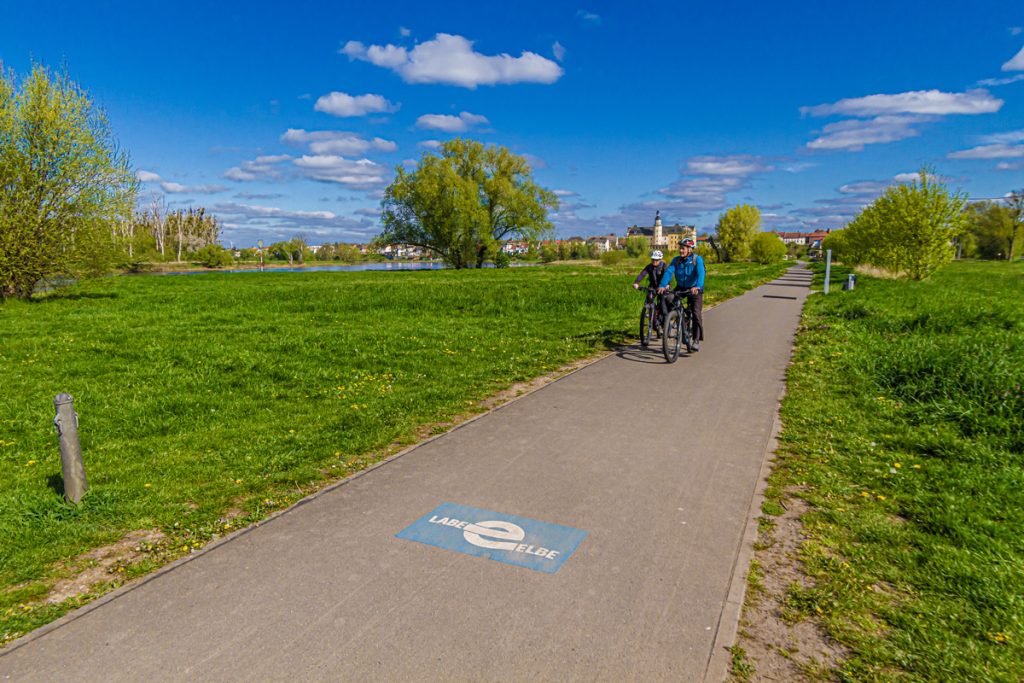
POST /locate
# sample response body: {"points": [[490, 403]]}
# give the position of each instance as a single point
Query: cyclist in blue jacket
{"points": [[688, 270]]}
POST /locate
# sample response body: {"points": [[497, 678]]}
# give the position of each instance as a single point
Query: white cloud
{"points": [[1001, 81], [450, 124], [271, 223], [1016, 63], [798, 166], [1007, 166], [997, 151], [535, 162], [915, 176], [934, 102], [265, 166], [178, 188], [356, 174], [147, 176], [429, 144], [589, 17], [270, 211], [336, 142], [708, 179], [344, 105], [703, 193], [558, 50], [258, 195], [451, 59], [404, 32], [1004, 138], [853, 134], [736, 164], [565, 193], [862, 187]]}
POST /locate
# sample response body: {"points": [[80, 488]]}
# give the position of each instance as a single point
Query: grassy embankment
{"points": [[904, 429], [208, 401]]}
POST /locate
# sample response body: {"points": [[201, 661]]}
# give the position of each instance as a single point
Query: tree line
{"points": [[159, 234]]}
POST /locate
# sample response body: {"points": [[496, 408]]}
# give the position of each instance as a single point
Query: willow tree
{"points": [[463, 201], [64, 183]]}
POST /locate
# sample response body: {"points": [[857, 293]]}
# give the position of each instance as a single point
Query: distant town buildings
{"points": [[659, 237], [809, 239]]}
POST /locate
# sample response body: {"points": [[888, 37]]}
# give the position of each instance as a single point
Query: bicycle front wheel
{"points": [[672, 336], [646, 313]]}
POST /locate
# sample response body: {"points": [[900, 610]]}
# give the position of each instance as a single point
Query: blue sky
{"points": [[290, 118]]}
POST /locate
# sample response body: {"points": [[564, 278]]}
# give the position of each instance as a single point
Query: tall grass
{"points": [[904, 427], [204, 396]]}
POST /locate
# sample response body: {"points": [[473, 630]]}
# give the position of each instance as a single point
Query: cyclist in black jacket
{"points": [[652, 271]]}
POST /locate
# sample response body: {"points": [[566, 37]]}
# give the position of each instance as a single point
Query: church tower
{"points": [[658, 240]]}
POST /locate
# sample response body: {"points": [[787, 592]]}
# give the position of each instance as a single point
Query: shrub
{"points": [[502, 259], [214, 256], [909, 230], [613, 257], [637, 246], [707, 252], [767, 247]]}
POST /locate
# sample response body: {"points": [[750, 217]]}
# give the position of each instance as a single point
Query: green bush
{"points": [[213, 256], [767, 247], [613, 257], [502, 259], [707, 252], [910, 230], [638, 246]]}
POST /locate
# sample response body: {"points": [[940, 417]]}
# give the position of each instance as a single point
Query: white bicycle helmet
{"points": [[656, 255]]}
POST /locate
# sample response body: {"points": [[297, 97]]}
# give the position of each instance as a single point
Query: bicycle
{"points": [[650, 316], [677, 332]]}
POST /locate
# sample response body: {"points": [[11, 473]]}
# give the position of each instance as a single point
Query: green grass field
{"points": [[904, 428], [208, 401]]}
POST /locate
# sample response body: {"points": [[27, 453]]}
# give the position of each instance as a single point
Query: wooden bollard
{"points": [[71, 465]]}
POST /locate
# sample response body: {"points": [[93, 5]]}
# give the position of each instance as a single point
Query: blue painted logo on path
{"points": [[497, 536]]}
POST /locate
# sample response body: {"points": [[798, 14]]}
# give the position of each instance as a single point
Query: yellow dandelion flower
{"points": [[917, 467], [897, 465], [147, 486], [881, 497], [864, 494]]}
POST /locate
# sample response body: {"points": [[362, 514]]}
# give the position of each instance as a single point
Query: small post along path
{"points": [[596, 529]]}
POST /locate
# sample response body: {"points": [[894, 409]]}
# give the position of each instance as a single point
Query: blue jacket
{"points": [[688, 273]]}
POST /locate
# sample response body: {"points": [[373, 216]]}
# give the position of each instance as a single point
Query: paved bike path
{"points": [[656, 463]]}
